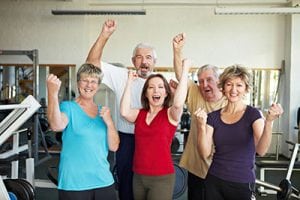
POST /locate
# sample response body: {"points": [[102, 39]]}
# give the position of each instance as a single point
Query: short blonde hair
{"points": [[235, 71], [89, 70]]}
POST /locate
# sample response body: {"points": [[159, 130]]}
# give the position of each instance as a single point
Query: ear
{"points": [[154, 60]]}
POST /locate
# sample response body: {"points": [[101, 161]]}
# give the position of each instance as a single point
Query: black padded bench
{"points": [[272, 165]]}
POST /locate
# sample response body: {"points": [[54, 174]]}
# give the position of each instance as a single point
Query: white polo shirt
{"points": [[115, 78]]}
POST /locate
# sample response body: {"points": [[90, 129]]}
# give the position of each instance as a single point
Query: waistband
{"points": [[126, 134]]}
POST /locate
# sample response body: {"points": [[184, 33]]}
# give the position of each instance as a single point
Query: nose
{"points": [[144, 60], [233, 88], [205, 83], [88, 83]]}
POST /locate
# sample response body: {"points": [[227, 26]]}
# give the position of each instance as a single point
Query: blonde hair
{"points": [[89, 70], [234, 71]]}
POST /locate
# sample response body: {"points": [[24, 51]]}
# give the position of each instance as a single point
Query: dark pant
{"points": [[153, 187], [124, 162], [218, 189], [106, 193], [196, 187]]}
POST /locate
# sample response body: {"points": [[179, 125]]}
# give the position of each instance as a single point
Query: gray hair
{"points": [[145, 46], [215, 70], [89, 70]]}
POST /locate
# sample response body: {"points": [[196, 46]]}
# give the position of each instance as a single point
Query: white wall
{"points": [[254, 41]]}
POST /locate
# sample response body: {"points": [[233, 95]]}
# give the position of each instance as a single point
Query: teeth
{"points": [[156, 97]]}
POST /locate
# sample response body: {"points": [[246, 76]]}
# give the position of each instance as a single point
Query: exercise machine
{"points": [[285, 190], [9, 127]]}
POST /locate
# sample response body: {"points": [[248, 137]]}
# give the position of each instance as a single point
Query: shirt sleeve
{"points": [[114, 77], [213, 117], [254, 114]]}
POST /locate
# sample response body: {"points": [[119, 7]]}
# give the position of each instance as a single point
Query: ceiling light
{"points": [[99, 12], [256, 11]]}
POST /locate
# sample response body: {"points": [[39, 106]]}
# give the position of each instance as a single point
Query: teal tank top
{"points": [[83, 160]]}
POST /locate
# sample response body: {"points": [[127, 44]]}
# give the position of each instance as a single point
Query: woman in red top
{"points": [[155, 126]]}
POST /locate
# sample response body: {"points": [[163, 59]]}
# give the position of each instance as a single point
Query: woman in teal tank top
{"points": [[88, 134]]}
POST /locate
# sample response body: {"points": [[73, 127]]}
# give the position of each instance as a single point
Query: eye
{"points": [[228, 84], [94, 82], [210, 80], [149, 57]]}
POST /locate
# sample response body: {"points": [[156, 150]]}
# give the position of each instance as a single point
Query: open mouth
{"points": [[156, 98], [87, 90], [144, 68], [207, 91]]}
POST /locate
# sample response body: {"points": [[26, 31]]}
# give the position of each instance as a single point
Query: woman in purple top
{"points": [[238, 131]]}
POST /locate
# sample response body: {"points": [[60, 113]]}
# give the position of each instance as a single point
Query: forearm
{"points": [[181, 91], [54, 116], [177, 62], [265, 139], [112, 137], [95, 54], [125, 100], [204, 145]]}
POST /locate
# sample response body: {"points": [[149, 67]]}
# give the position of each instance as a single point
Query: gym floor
{"points": [[273, 177]]}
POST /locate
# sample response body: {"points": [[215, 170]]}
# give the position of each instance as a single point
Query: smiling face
{"points": [[88, 80], [235, 82], [144, 59], [88, 86], [156, 92], [235, 89]]}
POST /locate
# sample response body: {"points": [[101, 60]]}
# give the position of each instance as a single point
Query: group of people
{"points": [[219, 155]]}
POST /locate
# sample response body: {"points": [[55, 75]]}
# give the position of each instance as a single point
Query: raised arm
{"points": [[57, 120], [262, 129], [126, 111], [178, 43], [95, 54], [112, 133], [175, 110]]}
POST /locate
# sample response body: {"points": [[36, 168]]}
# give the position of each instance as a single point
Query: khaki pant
{"points": [[153, 187]]}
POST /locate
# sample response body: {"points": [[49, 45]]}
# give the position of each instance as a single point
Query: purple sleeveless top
{"points": [[234, 155]]}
